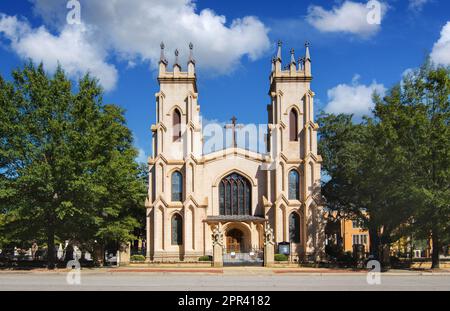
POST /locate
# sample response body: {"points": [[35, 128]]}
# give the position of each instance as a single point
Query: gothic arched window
{"points": [[177, 187], [234, 195], [177, 229], [293, 125], [294, 228], [176, 125], [294, 185]]}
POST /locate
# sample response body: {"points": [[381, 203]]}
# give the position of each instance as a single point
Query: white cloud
{"points": [[142, 156], [70, 48], [350, 17], [134, 31], [417, 5], [354, 99], [441, 49]]}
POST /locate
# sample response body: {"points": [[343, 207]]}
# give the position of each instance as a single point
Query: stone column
{"points": [[217, 237], [148, 236], [124, 254], [269, 254], [269, 246], [217, 256]]}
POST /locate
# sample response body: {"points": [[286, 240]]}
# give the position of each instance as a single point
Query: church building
{"points": [[242, 194]]}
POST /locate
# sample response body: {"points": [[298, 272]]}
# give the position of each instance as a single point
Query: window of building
{"points": [[360, 239], [294, 228], [293, 125], [234, 195], [356, 224], [176, 126], [177, 229], [294, 185], [177, 187]]}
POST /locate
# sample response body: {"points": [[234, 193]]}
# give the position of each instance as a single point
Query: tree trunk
{"points": [[374, 243], [51, 247], [99, 254], [436, 248], [385, 259]]}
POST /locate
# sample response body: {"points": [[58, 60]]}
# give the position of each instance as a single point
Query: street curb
{"points": [[361, 273], [208, 271]]}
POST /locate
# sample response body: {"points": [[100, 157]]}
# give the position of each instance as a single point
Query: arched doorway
{"points": [[235, 241], [238, 250]]}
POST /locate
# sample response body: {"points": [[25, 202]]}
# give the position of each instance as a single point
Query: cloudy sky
{"points": [[118, 42]]}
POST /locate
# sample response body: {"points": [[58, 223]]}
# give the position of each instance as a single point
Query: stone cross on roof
{"points": [[234, 126]]}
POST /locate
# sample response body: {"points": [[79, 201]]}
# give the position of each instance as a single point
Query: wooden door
{"points": [[234, 241]]}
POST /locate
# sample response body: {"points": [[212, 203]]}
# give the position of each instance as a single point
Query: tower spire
{"points": [[301, 63], [307, 60], [162, 58], [279, 50], [177, 53], [307, 54], [292, 56], [191, 53], [191, 61]]}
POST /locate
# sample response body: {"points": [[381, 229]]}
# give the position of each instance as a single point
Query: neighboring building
{"points": [[235, 190], [417, 248], [353, 233], [346, 233]]}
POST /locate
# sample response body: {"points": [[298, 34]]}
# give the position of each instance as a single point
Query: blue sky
{"points": [[234, 42]]}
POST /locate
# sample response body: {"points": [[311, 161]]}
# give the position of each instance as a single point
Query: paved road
{"points": [[97, 281]]}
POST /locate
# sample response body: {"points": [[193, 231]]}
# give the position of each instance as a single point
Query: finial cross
{"points": [[234, 126]]}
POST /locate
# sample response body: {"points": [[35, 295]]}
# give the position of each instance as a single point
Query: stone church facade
{"points": [[238, 192]]}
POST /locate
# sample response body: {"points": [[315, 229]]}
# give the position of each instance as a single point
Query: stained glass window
{"points": [[227, 199], [222, 200], [177, 187], [294, 185], [294, 228], [241, 198], [177, 230], [234, 195], [234, 208]]}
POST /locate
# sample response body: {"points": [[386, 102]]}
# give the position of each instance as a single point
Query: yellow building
{"points": [[352, 233], [346, 233]]}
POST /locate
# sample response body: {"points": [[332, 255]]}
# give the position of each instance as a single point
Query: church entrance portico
{"points": [[239, 250], [241, 239]]}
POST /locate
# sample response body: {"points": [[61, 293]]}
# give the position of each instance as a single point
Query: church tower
{"points": [[177, 144], [292, 144]]}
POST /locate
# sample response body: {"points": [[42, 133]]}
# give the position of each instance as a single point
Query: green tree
{"points": [[419, 115], [67, 168], [392, 170], [358, 162]]}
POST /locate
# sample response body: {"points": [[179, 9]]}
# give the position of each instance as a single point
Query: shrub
{"points": [[205, 258], [281, 257], [137, 258], [346, 259], [334, 251]]}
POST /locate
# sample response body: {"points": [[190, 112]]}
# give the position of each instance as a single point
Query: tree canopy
{"points": [[392, 170], [67, 162]]}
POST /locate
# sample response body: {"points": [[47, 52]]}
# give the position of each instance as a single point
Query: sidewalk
{"points": [[233, 271], [270, 271]]}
